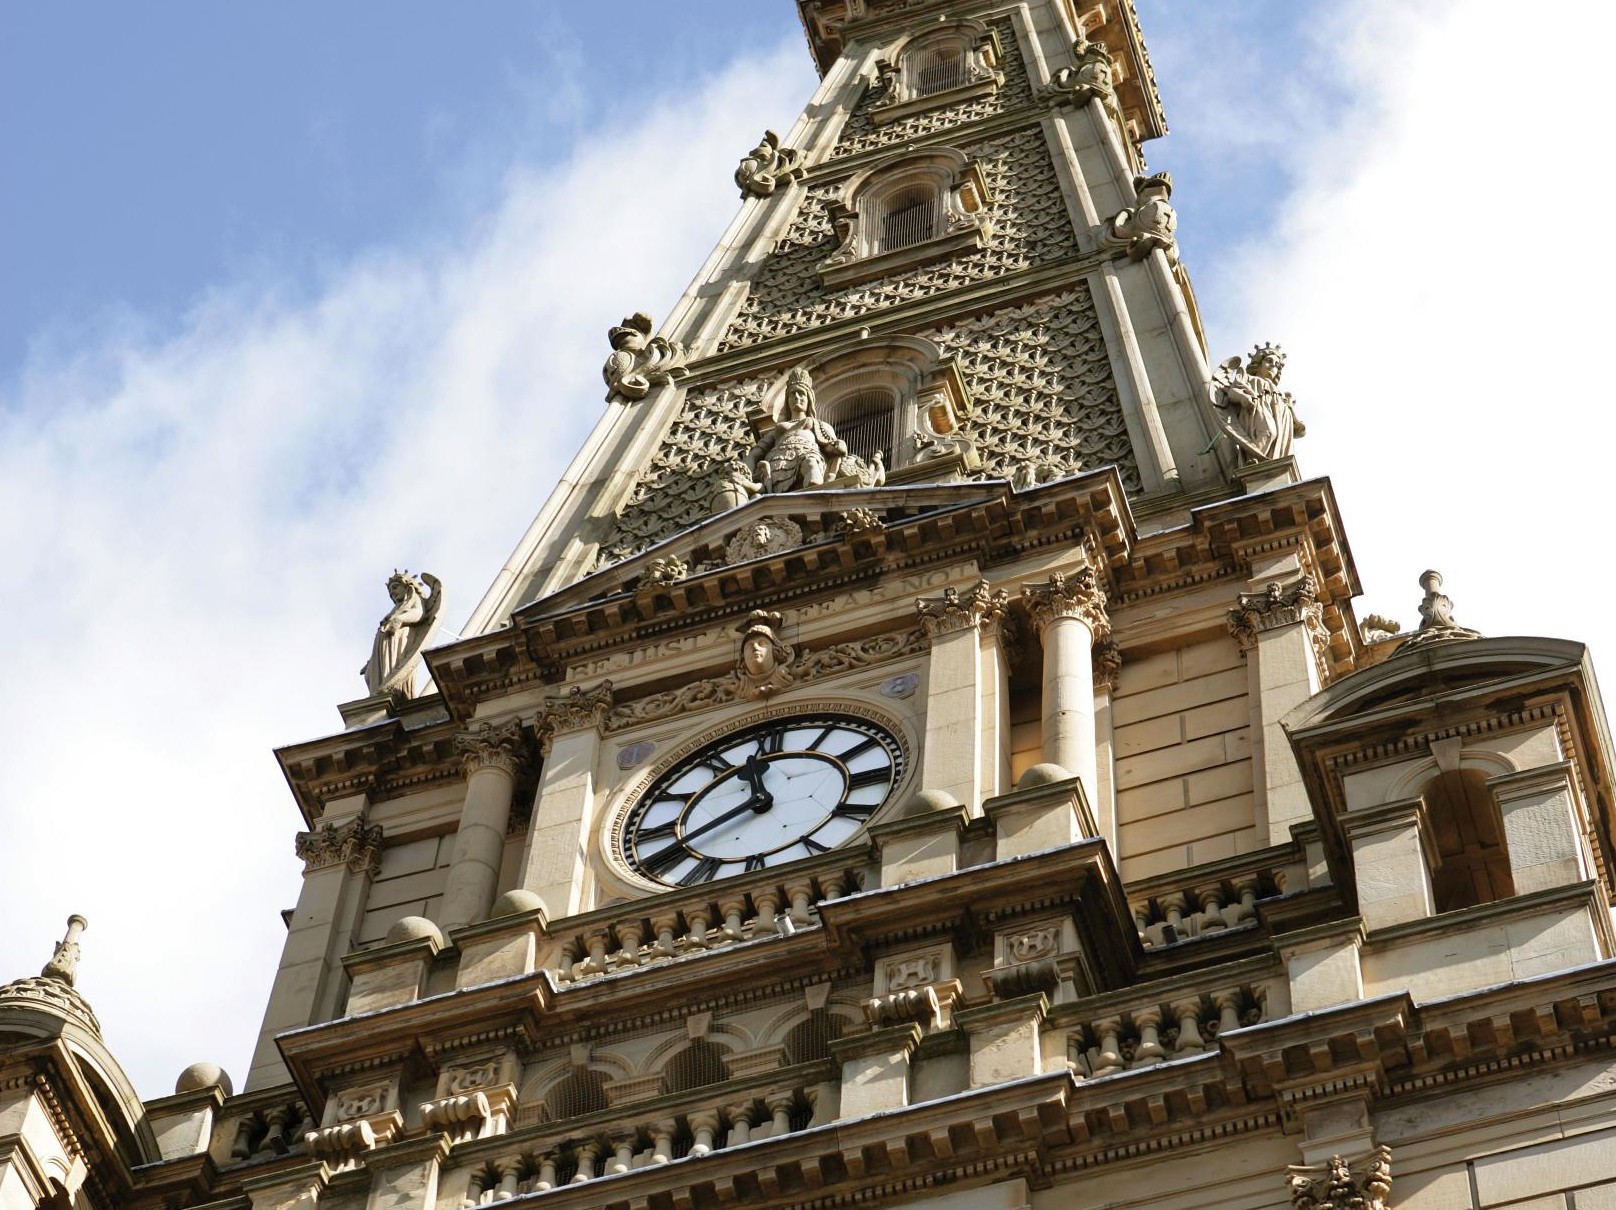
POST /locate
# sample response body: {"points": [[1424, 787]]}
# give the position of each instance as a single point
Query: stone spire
{"points": [[64, 963]]}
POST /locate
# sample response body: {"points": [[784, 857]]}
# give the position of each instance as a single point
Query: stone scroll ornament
{"points": [[395, 653], [1151, 223], [1094, 75], [768, 166], [1257, 416], [1437, 623], [640, 361], [803, 451]]}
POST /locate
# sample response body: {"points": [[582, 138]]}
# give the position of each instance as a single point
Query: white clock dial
{"points": [[777, 792]]}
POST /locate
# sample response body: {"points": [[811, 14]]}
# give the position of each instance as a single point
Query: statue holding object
{"points": [[395, 653]]}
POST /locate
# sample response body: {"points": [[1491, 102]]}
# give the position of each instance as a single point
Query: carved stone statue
{"points": [[640, 361], [1257, 416], [734, 486], [402, 634], [1152, 223], [801, 450], [767, 166], [1093, 76], [764, 664]]}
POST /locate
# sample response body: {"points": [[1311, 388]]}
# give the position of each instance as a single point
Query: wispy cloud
{"points": [[198, 527]]}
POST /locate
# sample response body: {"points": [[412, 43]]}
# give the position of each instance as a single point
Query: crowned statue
{"points": [[803, 451], [1257, 416], [396, 650]]}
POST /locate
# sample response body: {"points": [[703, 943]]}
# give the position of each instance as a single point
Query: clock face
{"points": [[776, 792]]}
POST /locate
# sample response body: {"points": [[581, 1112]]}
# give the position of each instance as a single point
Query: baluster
{"points": [[1188, 1013], [568, 970], [664, 926], [1211, 897], [1141, 921], [731, 910], [595, 964], [1246, 909], [1108, 1030], [588, 1154], [801, 895], [767, 902], [704, 1125], [510, 1171], [242, 1148], [834, 885], [1172, 906], [629, 935], [623, 1144], [547, 1174], [1150, 1050], [1227, 1002], [740, 1124], [662, 1141], [696, 929], [779, 1104]]}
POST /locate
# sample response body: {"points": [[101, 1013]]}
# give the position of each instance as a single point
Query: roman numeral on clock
{"points": [[660, 862], [856, 810], [869, 777], [706, 870]]}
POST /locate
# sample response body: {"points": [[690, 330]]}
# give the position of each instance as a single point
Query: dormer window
{"points": [[911, 210], [941, 67]]}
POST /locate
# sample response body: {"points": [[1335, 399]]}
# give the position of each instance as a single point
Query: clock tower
{"points": [[924, 753]]}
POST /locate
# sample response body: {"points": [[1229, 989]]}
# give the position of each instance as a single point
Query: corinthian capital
{"points": [[956, 610], [1070, 594], [356, 844], [492, 746], [1275, 606], [577, 708]]}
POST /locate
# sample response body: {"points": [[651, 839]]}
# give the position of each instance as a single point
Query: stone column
{"points": [[493, 755], [563, 812], [1069, 614], [1107, 667], [340, 857], [1280, 628], [952, 760]]}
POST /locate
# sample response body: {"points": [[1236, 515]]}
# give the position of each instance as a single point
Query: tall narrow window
{"points": [[939, 68], [1470, 839], [864, 420], [910, 217]]}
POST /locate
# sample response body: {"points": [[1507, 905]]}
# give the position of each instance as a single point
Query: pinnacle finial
{"points": [[64, 962]]}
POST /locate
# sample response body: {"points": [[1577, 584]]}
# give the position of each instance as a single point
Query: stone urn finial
{"points": [[64, 962]]}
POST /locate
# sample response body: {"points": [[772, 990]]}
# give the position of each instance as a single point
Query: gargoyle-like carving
{"points": [[1094, 75], [1151, 223], [1257, 416], [1377, 628], [1437, 624], [1333, 1187], [768, 166], [396, 650], [661, 572], [955, 610], [640, 361], [764, 664], [803, 451]]}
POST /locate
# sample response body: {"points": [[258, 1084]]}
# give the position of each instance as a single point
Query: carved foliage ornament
{"points": [[1070, 594], [765, 536], [493, 745], [1437, 624], [1333, 1186], [356, 844], [1275, 606], [768, 166], [576, 709], [956, 610], [640, 361]]}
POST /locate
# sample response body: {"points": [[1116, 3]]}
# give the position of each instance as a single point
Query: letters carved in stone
{"points": [[1033, 944], [912, 972], [356, 844]]}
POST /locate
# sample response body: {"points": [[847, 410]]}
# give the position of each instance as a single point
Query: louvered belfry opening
{"points": [[939, 68], [910, 216], [1469, 836], [864, 418]]}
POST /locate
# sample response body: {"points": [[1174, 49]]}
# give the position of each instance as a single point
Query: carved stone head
{"points": [[1266, 361], [799, 394], [764, 656], [632, 334]]}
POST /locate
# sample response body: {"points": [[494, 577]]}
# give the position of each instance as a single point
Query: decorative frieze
{"points": [[356, 844], [490, 745], [1071, 594], [1333, 1186], [978, 605]]}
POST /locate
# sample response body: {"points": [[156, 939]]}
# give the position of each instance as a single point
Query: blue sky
{"points": [[292, 294]]}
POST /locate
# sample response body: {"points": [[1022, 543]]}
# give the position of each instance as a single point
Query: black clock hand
{"points": [[734, 812], [752, 770]]}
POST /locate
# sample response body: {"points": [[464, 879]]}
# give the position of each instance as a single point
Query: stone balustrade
{"points": [[556, 1160], [1158, 1032], [1167, 914], [687, 922]]}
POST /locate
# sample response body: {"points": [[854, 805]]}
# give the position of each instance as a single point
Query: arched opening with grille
{"points": [[911, 215], [580, 1093], [810, 1040], [1469, 834], [696, 1066], [937, 67], [864, 420]]}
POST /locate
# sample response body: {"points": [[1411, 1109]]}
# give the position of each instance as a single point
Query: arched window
{"points": [[864, 420], [580, 1093], [696, 1066], [1469, 835], [909, 217], [810, 1040], [938, 67]]}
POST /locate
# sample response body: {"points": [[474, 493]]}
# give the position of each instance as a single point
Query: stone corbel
{"points": [[917, 1005], [358, 1118]]}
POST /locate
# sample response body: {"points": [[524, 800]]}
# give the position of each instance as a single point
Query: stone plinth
{"points": [[390, 974], [1039, 817]]}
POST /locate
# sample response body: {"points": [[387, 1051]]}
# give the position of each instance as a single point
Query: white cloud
{"points": [[198, 529]]}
